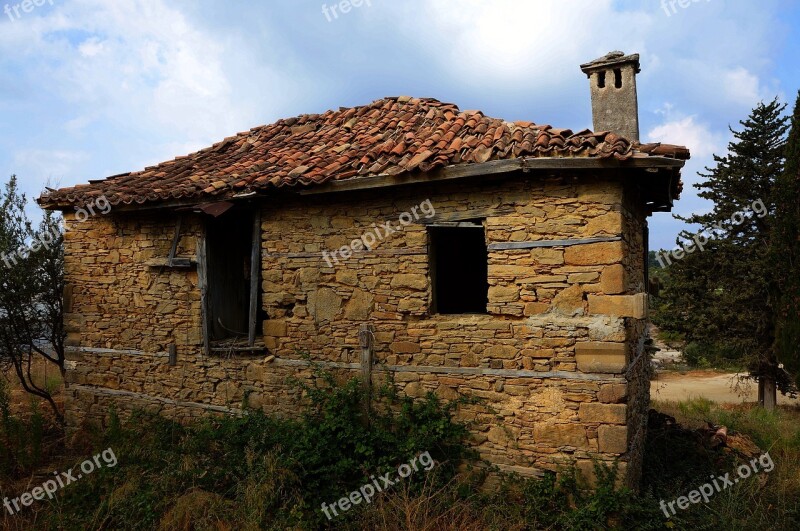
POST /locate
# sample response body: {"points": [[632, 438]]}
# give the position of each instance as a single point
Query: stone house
{"points": [[450, 251]]}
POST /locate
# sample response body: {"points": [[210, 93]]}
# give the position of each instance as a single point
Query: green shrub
{"points": [[20, 439], [266, 471]]}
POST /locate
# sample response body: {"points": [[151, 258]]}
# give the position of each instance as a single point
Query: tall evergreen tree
{"points": [[785, 254], [722, 296]]}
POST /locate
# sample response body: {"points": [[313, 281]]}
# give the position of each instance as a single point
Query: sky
{"points": [[94, 88]]}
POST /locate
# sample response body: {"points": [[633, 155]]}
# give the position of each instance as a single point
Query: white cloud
{"points": [[688, 132]]}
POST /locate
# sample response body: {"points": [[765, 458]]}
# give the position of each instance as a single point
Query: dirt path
{"points": [[719, 387]]}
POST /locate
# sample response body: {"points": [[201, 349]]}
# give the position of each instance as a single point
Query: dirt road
{"points": [[719, 387]]}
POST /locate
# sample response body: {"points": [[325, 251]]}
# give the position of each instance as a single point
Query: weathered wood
{"points": [[464, 215], [114, 352], [178, 262], [366, 334], [495, 167], [476, 371], [508, 246], [255, 277], [157, 399], [176, 238], [403, 251], [202, 281], [254, 348], [68, 291]]}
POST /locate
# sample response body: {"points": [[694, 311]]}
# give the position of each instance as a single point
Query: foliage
{"points": [[20, 440], [721, 297], [31, 288], [270, 472], [785, 253]]}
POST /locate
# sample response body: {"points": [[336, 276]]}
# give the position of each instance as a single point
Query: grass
{"points": [[260, 472], [770, 502]]}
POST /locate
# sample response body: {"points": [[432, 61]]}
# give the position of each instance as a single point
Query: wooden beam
{"points": [[178, 262], [176, 238], [474, 371], [495, 167], [404, 251], [202, 281], [509, 246], [255, 277]]}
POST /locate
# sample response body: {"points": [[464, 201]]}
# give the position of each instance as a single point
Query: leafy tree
{"points": [[31, 288], [785, 255], [722, 296]]}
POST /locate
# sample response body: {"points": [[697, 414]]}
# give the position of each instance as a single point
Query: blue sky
{"points": [[92, 88]]}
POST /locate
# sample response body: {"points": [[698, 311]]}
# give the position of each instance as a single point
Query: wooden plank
{"points": [[255, 277], [465, 215], [367, 254], [157, 399], [202, 281], [508, 246], [474, 371], [178, 262], [254, 348], [115, 352], [495, 167], [176, 238]]}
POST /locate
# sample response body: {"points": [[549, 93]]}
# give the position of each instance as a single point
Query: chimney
{"points": [[615, 106]]}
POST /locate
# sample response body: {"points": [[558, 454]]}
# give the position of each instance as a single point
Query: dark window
{"points": [[601, 80], [231, 248], [459, 268], [617, 78]]}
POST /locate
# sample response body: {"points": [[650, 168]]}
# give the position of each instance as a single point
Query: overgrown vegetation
{"points": [[262, 472]]}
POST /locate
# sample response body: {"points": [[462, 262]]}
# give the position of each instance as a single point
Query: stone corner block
{"points": [[634, 306], [603, 413], [600, 357], [612, 439]]}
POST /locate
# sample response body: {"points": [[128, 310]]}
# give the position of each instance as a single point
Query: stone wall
{"points": [[548, 360]]}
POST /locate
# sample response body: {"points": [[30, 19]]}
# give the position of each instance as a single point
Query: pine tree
{"points": [[785, 254], [721, 297]]}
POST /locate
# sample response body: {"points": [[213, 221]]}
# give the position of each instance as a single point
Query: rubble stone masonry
{"points": [[555, 360]]}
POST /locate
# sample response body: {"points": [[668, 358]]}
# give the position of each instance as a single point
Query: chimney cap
{"points": [[611, 59]]}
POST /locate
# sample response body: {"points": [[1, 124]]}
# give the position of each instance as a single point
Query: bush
{"points": [[265, 471], [706, 355], [20, 439]]}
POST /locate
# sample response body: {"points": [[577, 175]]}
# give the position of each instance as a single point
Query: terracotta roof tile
{"points": [[389, 136]]}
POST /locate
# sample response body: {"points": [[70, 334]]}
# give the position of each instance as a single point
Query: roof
{"points": [[392, 136]]}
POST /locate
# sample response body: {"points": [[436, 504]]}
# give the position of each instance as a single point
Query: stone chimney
{"points": [[615, 106]]}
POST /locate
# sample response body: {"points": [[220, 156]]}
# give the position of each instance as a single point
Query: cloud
{"points": [[688, 132]]}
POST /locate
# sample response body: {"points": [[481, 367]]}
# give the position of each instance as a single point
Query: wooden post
{"points": [[255, 278], [202, 280], [366, 340], [173, 355], [767, 393]]}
